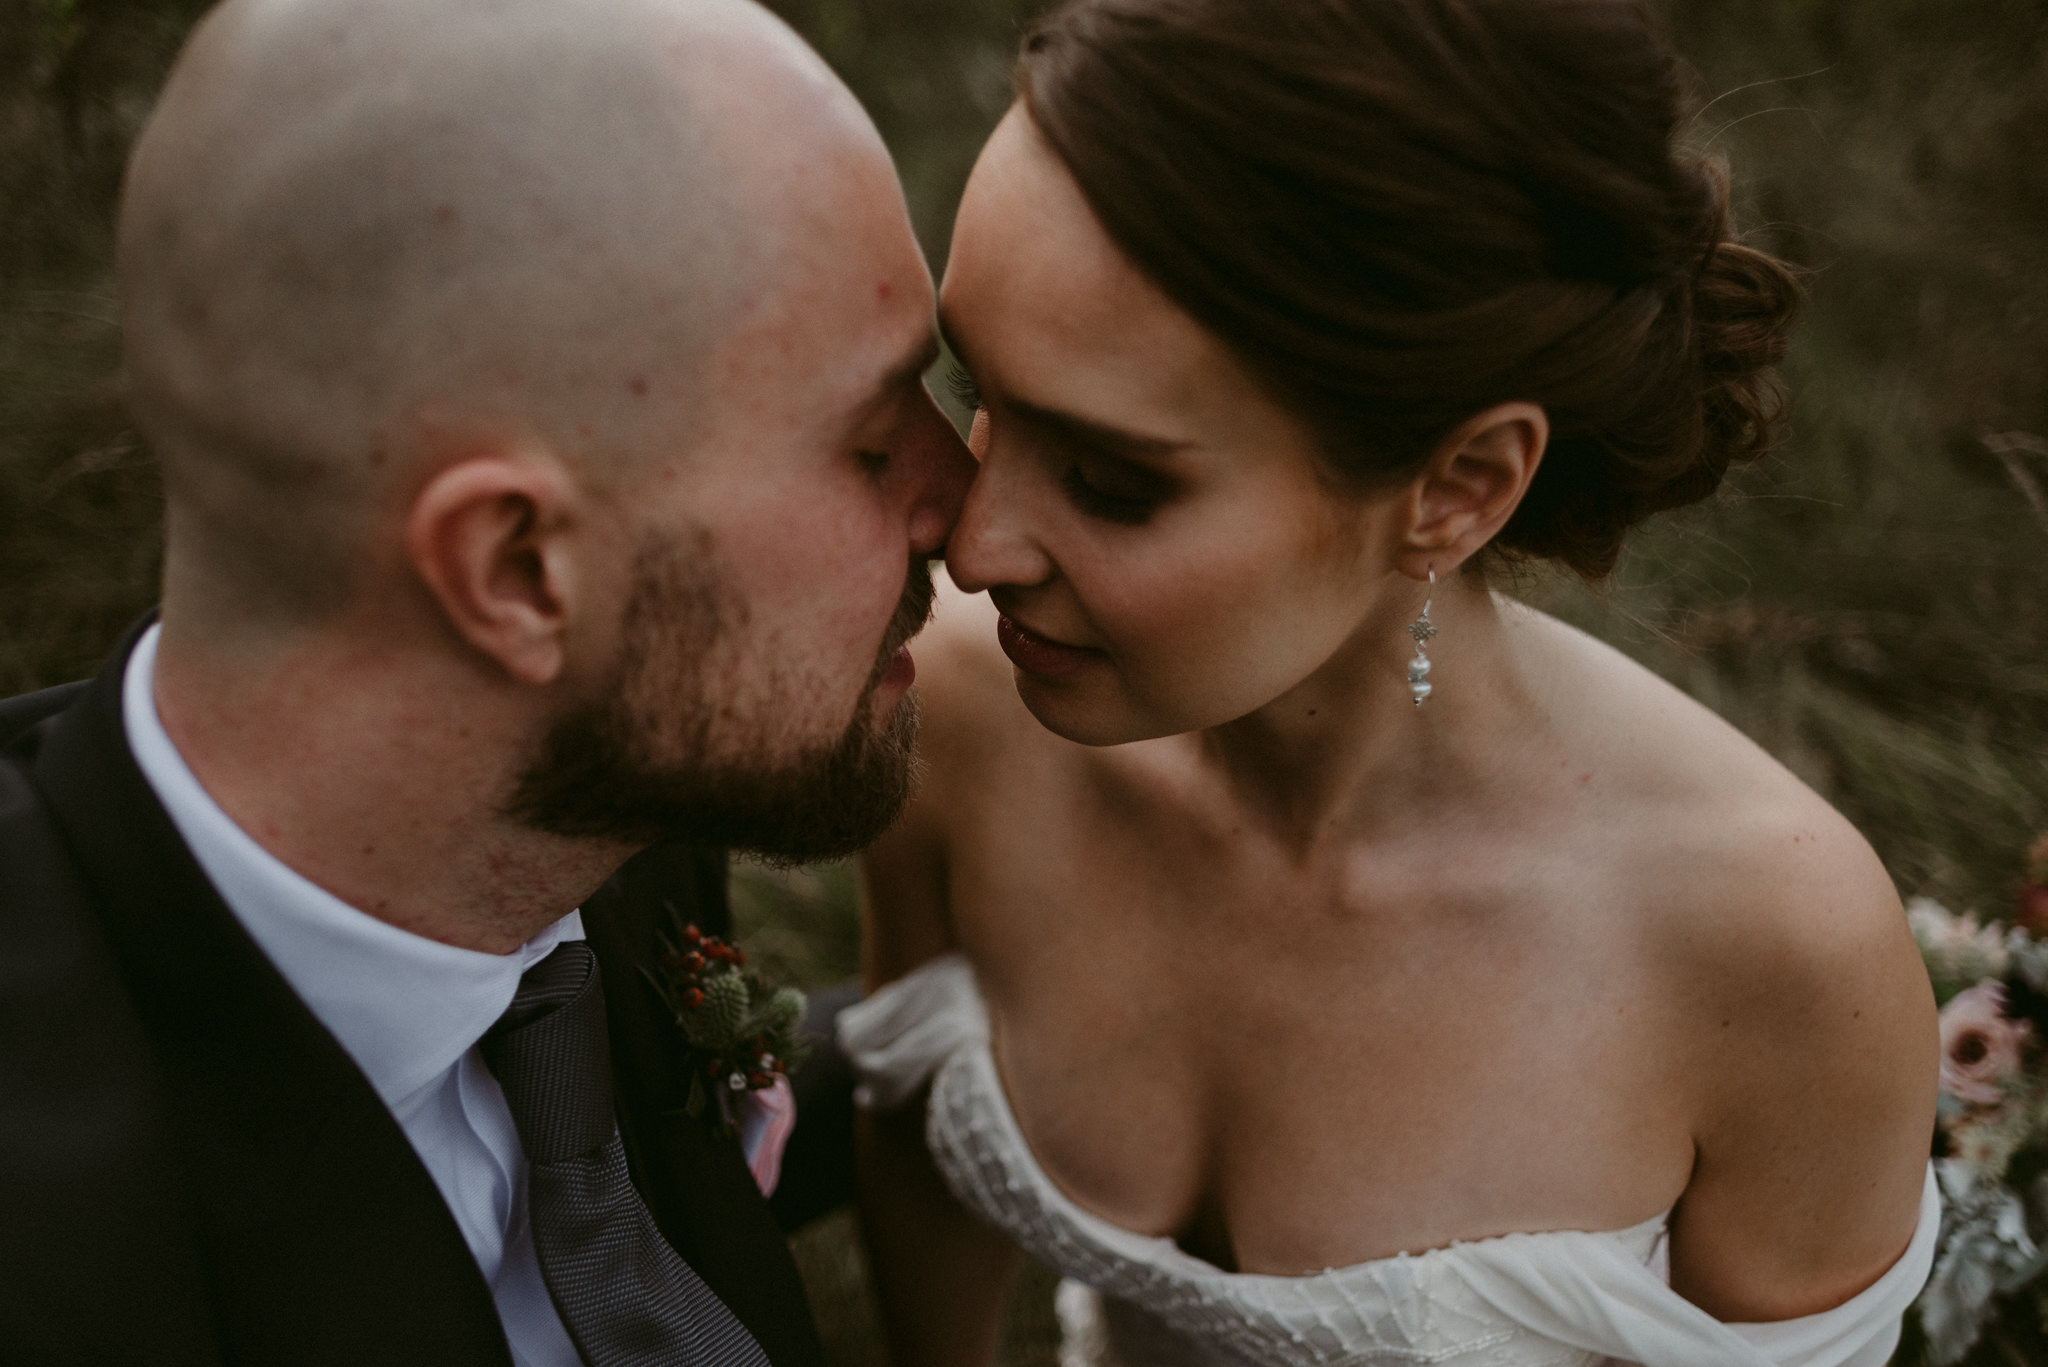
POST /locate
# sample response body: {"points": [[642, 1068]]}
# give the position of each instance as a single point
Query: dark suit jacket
{"points": [[192, 1171]]}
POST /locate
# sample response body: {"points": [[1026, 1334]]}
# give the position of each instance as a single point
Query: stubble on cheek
{"points": [[794, 696], [703, 737]]}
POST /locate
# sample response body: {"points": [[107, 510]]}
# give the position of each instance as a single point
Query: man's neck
{"points": [[378, 776]]}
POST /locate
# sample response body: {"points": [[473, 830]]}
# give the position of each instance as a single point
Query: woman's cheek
{"points": [[1176, 626]]}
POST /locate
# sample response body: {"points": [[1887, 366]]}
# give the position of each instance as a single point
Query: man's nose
{"points": [[944, 468]]}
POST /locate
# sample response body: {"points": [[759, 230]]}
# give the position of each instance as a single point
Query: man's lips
{"points": [[902, 670], [1035, 654]]}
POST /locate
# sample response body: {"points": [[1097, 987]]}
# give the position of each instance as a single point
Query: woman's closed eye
{"points": [[1114, 490], [1099, 484]]}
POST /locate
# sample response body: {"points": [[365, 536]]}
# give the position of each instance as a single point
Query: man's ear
{"points": [[1473, 483], [490, 536]]}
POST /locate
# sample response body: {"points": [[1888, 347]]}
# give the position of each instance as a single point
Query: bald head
{"points": [[360, 234]]}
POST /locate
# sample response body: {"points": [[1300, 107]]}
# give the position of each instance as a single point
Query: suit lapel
{"points": [[695, 1181], [98, 1259], [325, 1241]]}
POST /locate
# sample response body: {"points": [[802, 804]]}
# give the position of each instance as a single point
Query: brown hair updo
{"points": [[1402, 212]]}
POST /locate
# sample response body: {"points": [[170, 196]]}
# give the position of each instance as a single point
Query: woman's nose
{"points": [[992, 544]]}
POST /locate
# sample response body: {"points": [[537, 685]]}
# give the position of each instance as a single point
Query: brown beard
{"points": [[634, 766]]}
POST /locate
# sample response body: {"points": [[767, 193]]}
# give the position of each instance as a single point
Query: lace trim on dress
{"points": [[1516, 1300]]}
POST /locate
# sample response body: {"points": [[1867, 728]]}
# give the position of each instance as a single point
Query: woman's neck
{"points": [[1348, 751]]}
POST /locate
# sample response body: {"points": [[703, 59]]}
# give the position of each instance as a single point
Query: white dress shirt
{"points": [[408, 1010]]}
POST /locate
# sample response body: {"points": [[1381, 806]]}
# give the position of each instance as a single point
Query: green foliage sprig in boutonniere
{"points": [[742, 1033]]}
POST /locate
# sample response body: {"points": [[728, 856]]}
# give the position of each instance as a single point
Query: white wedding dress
{"points": [[1520, 1300]]}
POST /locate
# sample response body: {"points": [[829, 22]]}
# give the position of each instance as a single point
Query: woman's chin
{"points": [[1072, 714]]}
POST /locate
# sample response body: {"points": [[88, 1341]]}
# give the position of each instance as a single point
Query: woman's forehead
{"points": [[1039, 302]]}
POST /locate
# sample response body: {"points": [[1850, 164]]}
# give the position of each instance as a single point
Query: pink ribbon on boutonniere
{"points": [[766, 1118]]}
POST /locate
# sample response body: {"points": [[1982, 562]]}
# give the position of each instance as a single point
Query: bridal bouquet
{"points": [[1991, 1140]]}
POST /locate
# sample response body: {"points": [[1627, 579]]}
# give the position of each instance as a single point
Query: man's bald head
{"points": [[359, 234]]}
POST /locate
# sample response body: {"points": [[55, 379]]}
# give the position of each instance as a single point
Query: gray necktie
{"points": [[625, 1297]]}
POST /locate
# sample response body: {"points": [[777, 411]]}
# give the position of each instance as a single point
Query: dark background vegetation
{"points": [[1871, 603]]}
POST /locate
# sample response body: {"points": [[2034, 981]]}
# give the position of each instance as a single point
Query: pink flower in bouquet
{"points": [[1980, 1047]]}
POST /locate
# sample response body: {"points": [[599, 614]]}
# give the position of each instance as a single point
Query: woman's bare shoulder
{"points": [[1801, 1017], [1777, 912], [1809, 1038], [1730, 858], [1733, 853]]}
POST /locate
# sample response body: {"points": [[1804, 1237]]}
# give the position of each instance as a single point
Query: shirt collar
{"points": [[406, 1008]]}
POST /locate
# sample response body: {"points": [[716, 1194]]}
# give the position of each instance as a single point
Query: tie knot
{"points": [[551, 1056], [554, 981]]}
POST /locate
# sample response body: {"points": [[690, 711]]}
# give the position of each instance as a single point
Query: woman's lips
{"points": [[1036, 655]]}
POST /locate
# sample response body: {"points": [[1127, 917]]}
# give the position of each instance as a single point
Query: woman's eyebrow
{"points": [[1115, 441], [1103, 436]]}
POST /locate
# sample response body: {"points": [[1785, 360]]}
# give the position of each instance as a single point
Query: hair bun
{"points": [[1743, 305], [1702, 397], [1400, 213]]}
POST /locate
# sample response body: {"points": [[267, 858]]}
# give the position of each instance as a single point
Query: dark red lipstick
{"points": [[1035, 654]]}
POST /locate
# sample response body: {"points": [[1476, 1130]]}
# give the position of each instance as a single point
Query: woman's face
{"points": [[1151, 524]]}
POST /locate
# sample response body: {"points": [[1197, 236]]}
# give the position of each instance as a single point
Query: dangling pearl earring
{"points": [[1422, 629]]}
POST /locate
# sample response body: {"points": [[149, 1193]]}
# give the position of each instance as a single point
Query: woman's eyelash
{"points": [[963, 386]]}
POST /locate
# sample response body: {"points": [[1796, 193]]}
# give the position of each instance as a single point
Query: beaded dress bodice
{"points": [[1561, 1299]]}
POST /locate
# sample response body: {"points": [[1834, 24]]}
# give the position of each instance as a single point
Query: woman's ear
{"points": [[1472, 485], [491, 538]]}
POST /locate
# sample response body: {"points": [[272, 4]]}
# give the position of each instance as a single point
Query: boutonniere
{"points": [[742, 1032]]}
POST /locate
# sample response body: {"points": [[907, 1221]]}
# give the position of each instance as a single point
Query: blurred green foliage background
{"points": [[1871, 603]]}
